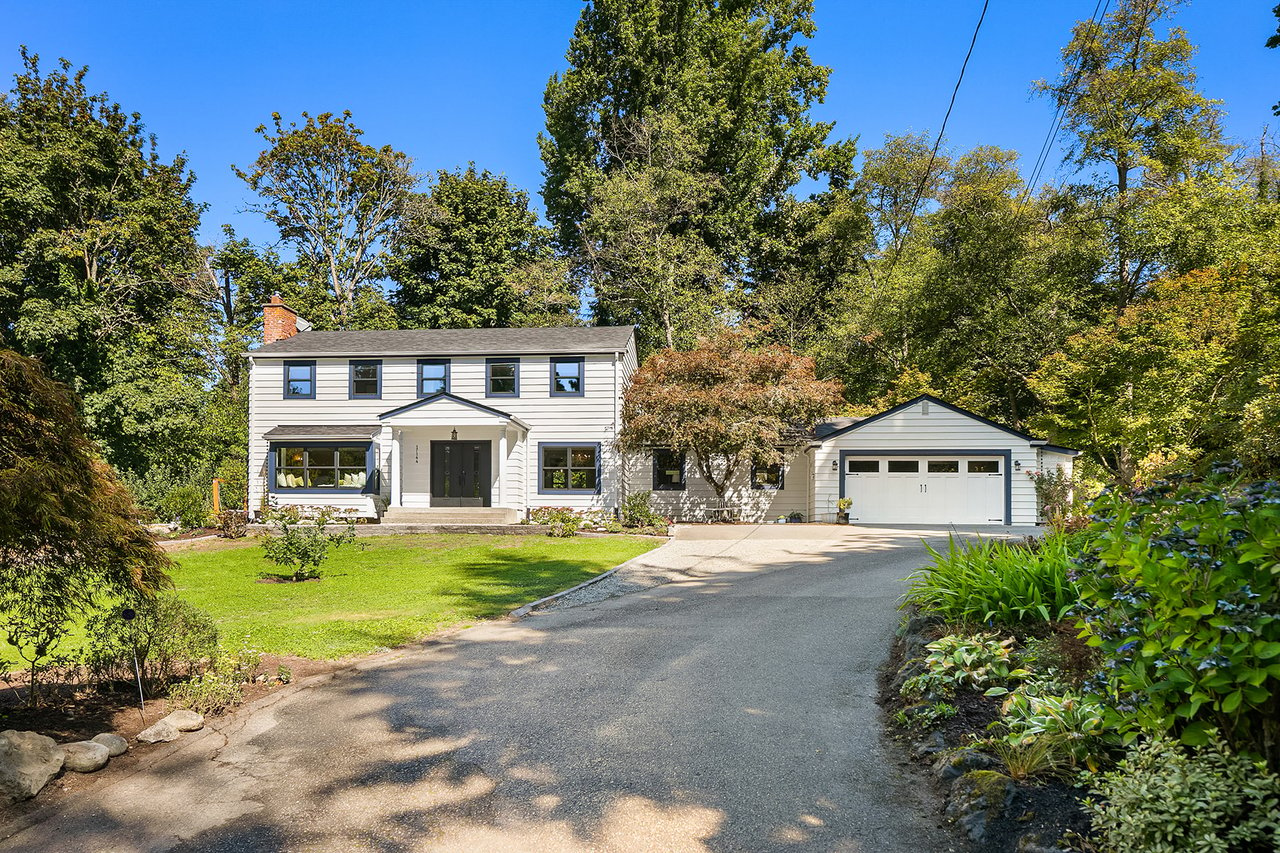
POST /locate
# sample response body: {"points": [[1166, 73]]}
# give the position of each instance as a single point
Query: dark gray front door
{"points": [[461, 473]]}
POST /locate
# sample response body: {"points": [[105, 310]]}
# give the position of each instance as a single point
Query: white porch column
{"points": [[396, 478], [502, 467]]}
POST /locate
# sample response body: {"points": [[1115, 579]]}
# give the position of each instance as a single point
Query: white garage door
{"points": [[925, 489]]}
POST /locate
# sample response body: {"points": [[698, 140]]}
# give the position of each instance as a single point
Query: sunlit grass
{"points": [[381, 591]]}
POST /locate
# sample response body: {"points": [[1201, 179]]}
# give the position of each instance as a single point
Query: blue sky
{"points": [[462, 81]]}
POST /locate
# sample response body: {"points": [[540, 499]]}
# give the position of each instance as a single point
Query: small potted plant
{"points": [[842, 510]]}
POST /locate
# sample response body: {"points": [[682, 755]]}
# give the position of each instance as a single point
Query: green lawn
{"points": [[387, 590]]}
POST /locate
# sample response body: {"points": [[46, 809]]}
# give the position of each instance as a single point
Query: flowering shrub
{"points": [[1181, 593]]}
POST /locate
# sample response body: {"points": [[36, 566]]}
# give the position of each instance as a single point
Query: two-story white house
{"points": [[483, 425]]}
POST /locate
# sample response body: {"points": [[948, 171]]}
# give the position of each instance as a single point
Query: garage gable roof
{"points": [[935, 401]]}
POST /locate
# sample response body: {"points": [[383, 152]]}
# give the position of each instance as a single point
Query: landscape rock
{"points": [[976, 798], [27, 762], [1031, 843], [953, 765], [115, 744], [161, 732], [185, 721], [931, 745], [85, 756]]}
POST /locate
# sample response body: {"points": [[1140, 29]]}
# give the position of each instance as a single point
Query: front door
{"points": [[461, 473]]}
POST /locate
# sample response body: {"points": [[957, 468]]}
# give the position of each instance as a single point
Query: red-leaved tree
{"points": [[725, 404]]}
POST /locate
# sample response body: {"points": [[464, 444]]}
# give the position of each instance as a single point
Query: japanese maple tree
{"points": [[726, 404]]}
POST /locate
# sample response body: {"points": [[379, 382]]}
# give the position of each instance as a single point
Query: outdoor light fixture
{"points": [[455, 435], [835, 464], [1017, 464]]}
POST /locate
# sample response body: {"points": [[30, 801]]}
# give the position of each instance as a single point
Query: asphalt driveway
{"points": [[730, 709]]}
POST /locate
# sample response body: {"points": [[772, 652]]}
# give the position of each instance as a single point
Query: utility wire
{"points": [[1060, 113], [933, 156]]}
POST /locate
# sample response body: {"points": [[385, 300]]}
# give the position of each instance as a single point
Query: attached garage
{"points": [[929, 462]]}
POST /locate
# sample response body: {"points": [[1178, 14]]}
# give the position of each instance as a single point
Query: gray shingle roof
{"points": [[827, 427], [428, 342], [323, 431]]}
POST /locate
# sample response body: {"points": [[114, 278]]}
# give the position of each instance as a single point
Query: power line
{"points": [[933, 156], [1060, 113]]}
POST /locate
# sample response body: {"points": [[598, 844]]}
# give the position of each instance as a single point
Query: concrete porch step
{"points": [[450, 515]]}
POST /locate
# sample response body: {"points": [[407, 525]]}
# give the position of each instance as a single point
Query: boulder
{"points": [[932, 744], [161, 732], [953, 765], [977, 797], [185, 721], [115, 744], [85, 756], [27, 762]]}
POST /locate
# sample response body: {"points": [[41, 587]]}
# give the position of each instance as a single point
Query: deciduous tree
{"points": [[727, 404], [69, 531], [334, 199]]}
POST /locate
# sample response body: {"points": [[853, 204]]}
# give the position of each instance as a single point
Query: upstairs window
{"points": [[569, 468], [366, 380], [766, 476], [566, 376], [320, 467], [433, 376], [668, 470], [299, 380], [502, 377]]}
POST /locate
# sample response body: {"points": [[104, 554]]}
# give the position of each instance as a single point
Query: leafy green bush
{"points": [[188, 504], [959, 662], [171, 638], [1182, 596], [302, 542], [564, 529], [1074, 725], [999, 582], [1162, 799], [636, 511]]}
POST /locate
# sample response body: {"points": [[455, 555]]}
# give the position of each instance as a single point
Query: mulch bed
{"points": [[1044, 807]]}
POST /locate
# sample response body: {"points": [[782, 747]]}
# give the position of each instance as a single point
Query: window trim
{"points": [[448, 371], [351, 378], [309, 363], [488, 377], [542, 448], [369, 476], [875, 470], [663, 485], [579, 360], [782, 477]]}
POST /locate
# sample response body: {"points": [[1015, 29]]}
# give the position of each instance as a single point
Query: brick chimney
{"points": [[279, 321]]}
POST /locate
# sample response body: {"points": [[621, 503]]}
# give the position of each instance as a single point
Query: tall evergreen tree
{"points": [[461, 250]]}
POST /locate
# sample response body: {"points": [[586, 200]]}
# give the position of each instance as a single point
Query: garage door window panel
{"points": [[944, 466], [863, 466], [904, 466], [983, 466]]}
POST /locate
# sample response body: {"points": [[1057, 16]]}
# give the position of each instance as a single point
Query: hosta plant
{"points": [[960, 662]]}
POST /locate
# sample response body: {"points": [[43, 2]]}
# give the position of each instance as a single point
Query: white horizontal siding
{"points": [[698, 501], [940, 429], [589, 418]]}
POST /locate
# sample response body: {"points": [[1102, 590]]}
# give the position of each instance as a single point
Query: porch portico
{"points": [[445, 451]]}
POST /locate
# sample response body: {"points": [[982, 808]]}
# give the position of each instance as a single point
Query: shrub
{"points": [[302, 543], [996, 581], [188, 504], [171, 638], [564, 529], [637, 512], [1181, 595], [960, 662], [1163, 799], [1073, 725], [553, 514], [218, 687]]}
